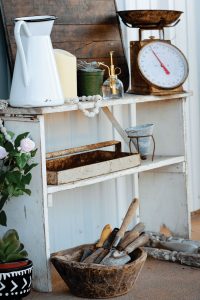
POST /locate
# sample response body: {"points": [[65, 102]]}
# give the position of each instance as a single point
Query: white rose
{"points": [[3, 152], [27, 145]]}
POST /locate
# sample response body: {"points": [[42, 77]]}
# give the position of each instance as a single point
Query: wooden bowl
{"points": [[149, 18], [97, 281]]}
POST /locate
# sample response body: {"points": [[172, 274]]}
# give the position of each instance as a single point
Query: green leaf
{"points": [[27, 191], [14, 177], [27, 178], [12, 248], [23, 253], [11, 235], [20, 137], [14, 257], [11, 134], [10, 190], [28, 168], [2, 140], [33, 153], [9, 147], [22, 160], [18, 192], [3, 218], [21, 247], [2, 256], [3, 201]]}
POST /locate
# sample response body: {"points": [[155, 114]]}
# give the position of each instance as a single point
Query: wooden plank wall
{"points": [[88, 29]]}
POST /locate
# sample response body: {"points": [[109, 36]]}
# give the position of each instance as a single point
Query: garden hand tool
{"points": [[118, 258], [131, 235], [106, 246], [86, 252], [120, 234], [99, 246]]}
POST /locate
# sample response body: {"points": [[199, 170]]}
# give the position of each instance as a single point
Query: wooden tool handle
{"points": [[131, 235], [124, 243], [140, 241], [128, 218], [91, 258], [99, 253], [104, 235]]}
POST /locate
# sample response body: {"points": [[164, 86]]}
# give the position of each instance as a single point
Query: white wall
{"points": [[186, 36]]}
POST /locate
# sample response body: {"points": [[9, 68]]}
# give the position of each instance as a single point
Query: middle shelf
{"points": [[146, 165]]}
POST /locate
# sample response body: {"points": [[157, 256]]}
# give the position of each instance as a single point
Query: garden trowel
{"points": [[120, 233], [89, 256], [117, 258], [116, 234]]}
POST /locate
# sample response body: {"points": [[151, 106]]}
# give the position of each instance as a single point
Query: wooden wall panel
{"points": [[88, 29], [67, 11]]}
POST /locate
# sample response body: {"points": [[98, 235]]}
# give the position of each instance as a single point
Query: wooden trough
{"points": [[97, 281], [69, 168]]}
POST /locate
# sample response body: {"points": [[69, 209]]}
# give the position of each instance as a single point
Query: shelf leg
{"points": [[29, 214]]}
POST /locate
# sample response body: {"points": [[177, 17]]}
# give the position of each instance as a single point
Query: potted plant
{"points": [[16, 156], [16, 162], [15, 268], [90, 78]]}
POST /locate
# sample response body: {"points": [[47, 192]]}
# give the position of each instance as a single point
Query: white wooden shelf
{"points": [[146, 165], [128, 99], [162, 185]]}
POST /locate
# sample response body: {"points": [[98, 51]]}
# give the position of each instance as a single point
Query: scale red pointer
{"points": [[161, 64]]}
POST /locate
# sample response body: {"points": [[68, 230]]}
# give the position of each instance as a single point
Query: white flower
{"points": [[3, 152], [27, 145]]}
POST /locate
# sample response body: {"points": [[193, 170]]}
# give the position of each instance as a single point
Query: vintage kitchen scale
{"points": [[157, 66]]}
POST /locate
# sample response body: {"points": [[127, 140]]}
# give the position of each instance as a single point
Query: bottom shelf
{"points": [[146, 165]]}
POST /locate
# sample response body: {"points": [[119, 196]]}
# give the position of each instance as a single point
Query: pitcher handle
{"points": [[20, 48]]}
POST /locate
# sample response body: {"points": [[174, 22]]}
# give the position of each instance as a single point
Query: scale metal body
{"points": [[157, 67]]}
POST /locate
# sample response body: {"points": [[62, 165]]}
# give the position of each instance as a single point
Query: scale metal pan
{"points": [[149, 18]]}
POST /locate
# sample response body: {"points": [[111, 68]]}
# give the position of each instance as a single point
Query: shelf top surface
{"points": [[146, 165], [128, 99]]}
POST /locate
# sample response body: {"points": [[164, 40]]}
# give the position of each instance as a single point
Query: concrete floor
{"points": [[158, 281]]}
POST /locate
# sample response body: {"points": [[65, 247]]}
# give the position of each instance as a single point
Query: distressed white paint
{"points": [[128, 99], [78, 213], [186, 36], [165, 202], [29, 214], [93, 170], [158, 162]]}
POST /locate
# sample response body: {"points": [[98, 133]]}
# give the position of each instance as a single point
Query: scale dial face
{"points": [[162, 65]]}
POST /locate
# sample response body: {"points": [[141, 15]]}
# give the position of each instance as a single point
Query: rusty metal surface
{"points": [[79, 160], [139, 85], [149, 18], [85, 148], [90, 164]]}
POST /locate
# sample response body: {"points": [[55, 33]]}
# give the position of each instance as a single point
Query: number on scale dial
{"points": [[163, 65]]}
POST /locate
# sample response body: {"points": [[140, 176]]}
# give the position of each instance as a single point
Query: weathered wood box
{"points": [[74, 167]]}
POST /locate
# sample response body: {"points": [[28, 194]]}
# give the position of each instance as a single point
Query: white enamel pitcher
{"points": [[35, 80]]}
